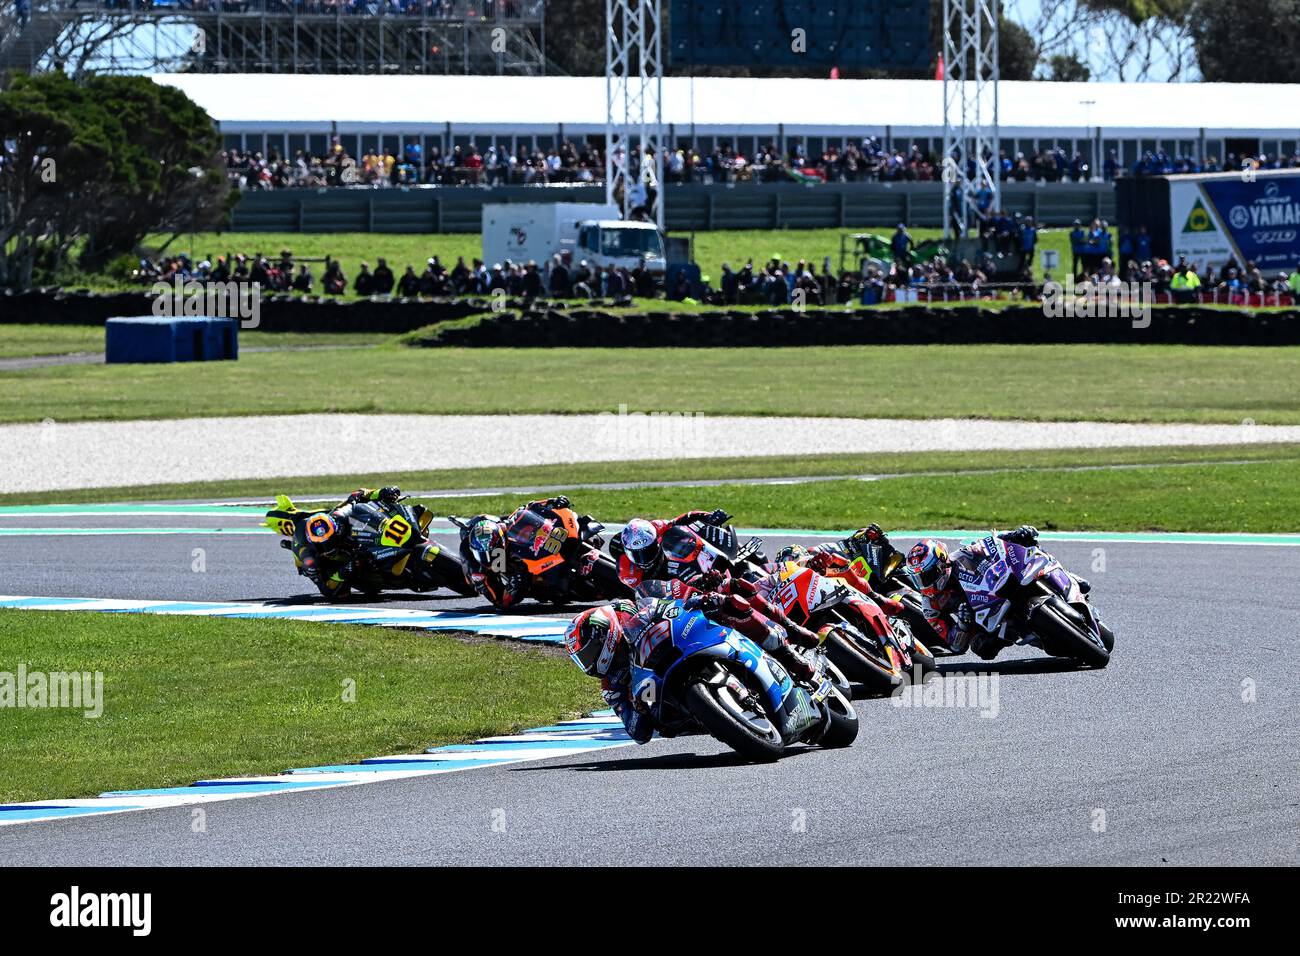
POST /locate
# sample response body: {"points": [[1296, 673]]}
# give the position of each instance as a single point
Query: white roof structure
{"points": [[714, 105]]}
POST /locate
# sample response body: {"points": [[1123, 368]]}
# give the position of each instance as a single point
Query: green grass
{"points": [[188, 698], [573, 476], [1056, 383], [1260, 497], [21, 340]]}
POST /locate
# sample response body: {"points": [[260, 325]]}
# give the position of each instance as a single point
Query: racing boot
{"points": [[795, 663], [986, 646]]}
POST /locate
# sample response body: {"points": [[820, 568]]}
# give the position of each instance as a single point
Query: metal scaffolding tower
{"points": [[970, 113], [278, 36], [634, 105]]}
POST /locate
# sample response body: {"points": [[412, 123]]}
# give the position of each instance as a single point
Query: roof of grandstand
{"points": [[714, 105]]}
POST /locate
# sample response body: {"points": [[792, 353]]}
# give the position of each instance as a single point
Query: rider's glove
{"points": [[718, 517], [390, 494], [710, 580], [823, 561], [965, 618], [1026, 536], [359, 495], [871, 534], [559, 501]]}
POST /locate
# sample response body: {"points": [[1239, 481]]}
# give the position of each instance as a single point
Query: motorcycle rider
{"points": [[495, 573], [328, 554], [944, 600], [643, 550], [597, 641], [832, 564]]}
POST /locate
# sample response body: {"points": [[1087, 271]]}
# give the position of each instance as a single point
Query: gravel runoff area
{"points": [[53, 456]]}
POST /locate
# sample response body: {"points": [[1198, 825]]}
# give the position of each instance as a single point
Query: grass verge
{"points": [[190, 698], [548, 477], [1043, 382], [1260, 497]]}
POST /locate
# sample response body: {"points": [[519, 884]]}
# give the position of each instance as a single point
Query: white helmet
{"points": [[641, 543]]}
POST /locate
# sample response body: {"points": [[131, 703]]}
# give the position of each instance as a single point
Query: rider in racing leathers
{"points": [[596, 640], [484, 549], [326, 550], [643, 551], [943, 598]]}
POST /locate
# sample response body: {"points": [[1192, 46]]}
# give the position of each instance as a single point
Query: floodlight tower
{"points": [[633, 98], [970, 112]]}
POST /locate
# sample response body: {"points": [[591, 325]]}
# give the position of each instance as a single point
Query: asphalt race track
{"points": [[1157, 759]]}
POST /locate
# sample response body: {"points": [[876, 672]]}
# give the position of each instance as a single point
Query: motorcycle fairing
{"points": [[695, 636]]}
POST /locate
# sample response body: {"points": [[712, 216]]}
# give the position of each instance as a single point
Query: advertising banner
{"points": [[1246, 217]]}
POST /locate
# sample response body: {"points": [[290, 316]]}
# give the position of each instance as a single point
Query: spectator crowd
{"points": [[572, 162]]}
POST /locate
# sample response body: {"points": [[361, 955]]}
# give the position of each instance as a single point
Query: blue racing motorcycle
{"points": [[694, 674]]}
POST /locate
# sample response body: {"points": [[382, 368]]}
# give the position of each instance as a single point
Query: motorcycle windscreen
{"points": [[535, 534]]}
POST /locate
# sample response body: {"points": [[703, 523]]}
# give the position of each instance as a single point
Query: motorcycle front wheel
{"points": [[734, 722], [1055, 624], [843, 729]]}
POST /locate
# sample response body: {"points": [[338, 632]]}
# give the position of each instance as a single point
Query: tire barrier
{"points": [[912, 325], [277, 312], [473, 322]]}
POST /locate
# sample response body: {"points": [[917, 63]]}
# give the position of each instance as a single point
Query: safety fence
{"points": [[688, 207]]}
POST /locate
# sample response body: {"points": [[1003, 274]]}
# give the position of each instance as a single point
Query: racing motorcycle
{"points": [[695, 674], [1025, 596], [394, 551], [885, 567], [559, 553], [707, 544], [865, 644]]}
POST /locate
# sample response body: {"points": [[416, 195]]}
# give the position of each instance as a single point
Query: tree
{"points": [[102, 162], [1067, 68], [1248, 41], [1118, 39]]}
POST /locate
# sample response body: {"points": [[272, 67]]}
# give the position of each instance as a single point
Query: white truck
{"points": [[592, 231]]}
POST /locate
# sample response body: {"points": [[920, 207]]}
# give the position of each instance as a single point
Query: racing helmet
{"points": [[322, 529], [930, 565], [484, 535], [791, 553], [641, 543], [592, 636]]}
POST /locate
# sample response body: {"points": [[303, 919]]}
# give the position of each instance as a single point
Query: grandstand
{"points": [[284, 113]]}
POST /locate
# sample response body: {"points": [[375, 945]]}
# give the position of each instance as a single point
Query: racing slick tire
{"points": [[713, 705]]}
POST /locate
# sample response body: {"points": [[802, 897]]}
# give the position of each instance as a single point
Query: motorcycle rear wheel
{"points": [[723, 718]]}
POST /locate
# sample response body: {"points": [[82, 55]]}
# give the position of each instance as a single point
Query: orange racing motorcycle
{"points": [[544, 550]]}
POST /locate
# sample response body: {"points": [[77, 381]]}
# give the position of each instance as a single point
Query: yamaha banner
{"points": [[1247, 216]]}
